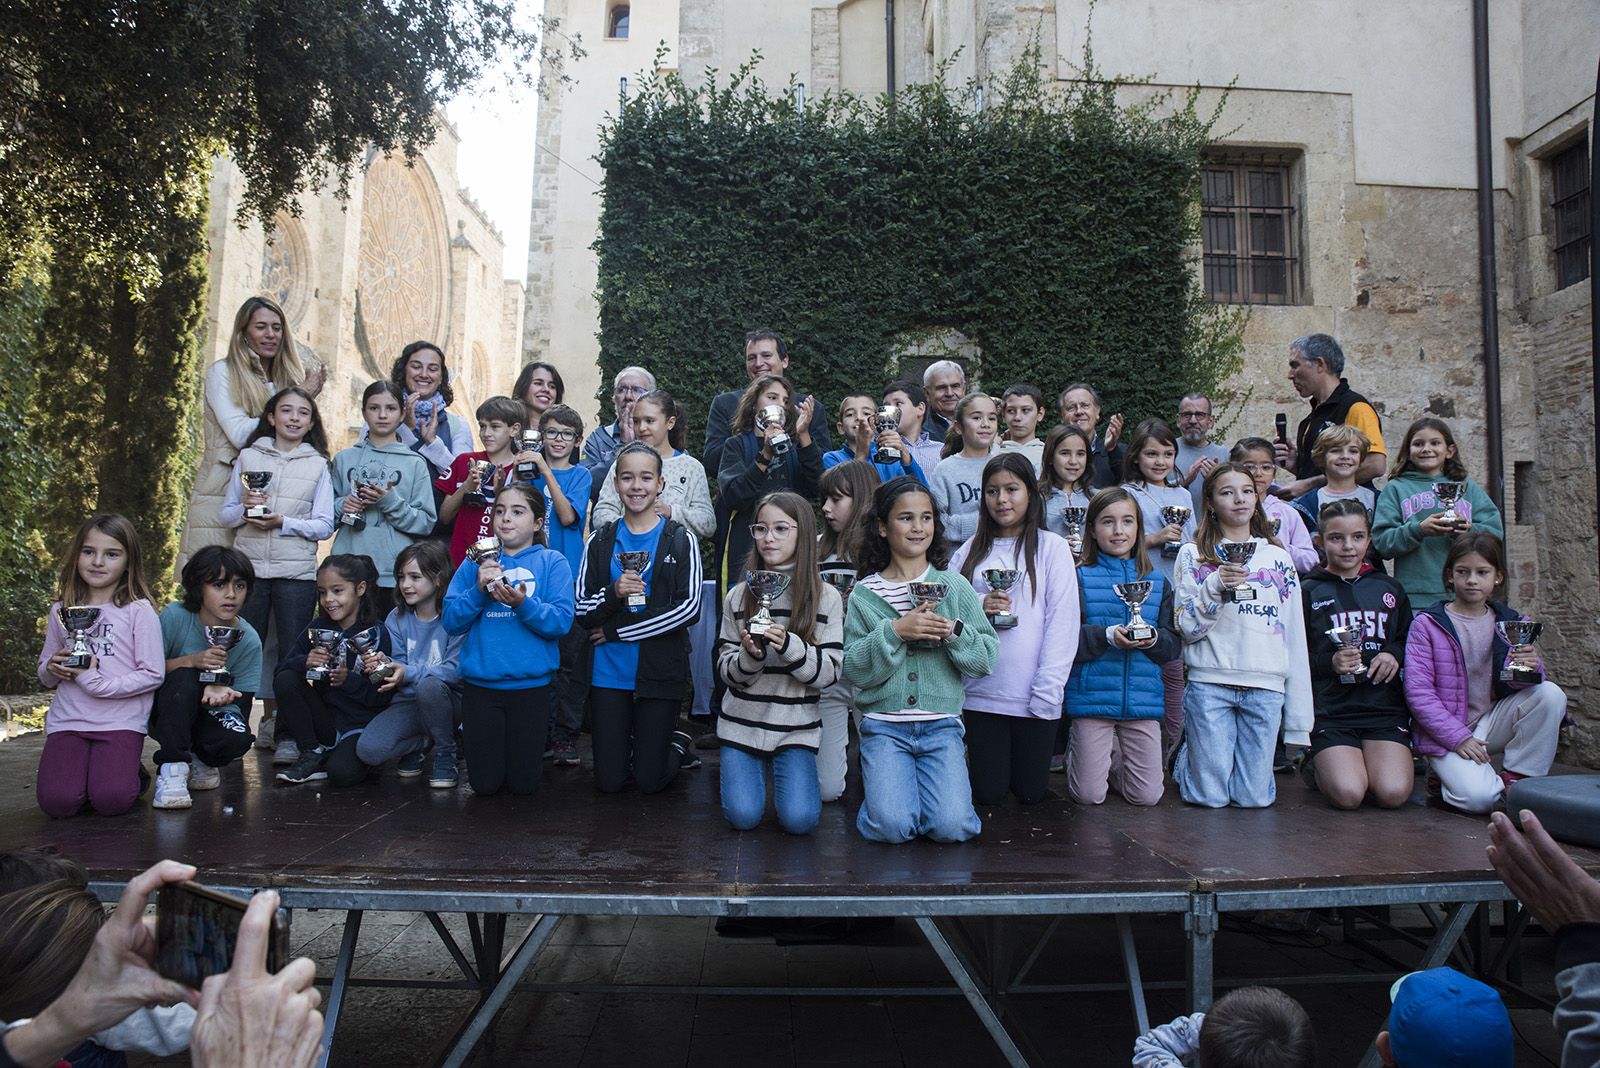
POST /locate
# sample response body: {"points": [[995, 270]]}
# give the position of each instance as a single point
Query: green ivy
{"points": [[1055, 227]]}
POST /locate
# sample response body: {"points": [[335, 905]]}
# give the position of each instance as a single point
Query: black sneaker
{"points": [[684, 745], [307, 769]]}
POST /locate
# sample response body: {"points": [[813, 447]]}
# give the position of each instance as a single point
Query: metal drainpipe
{"points": [[1488, 286], [1594, 280], [888, 40]]}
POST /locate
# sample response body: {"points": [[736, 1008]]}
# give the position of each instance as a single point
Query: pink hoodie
{"points": [[115, 694]]}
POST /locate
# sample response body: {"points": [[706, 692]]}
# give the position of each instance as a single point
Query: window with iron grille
{"points": [[1569, 207], [1248, 234]]}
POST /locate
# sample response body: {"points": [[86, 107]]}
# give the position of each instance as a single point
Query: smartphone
{"points": [[1282, 422], [197, 929]]}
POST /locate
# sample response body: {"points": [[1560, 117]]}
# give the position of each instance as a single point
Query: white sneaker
{"points": [[172, 787], [203, 776]]}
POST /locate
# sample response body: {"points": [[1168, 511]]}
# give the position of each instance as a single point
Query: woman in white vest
{"points": [[261, 360]]}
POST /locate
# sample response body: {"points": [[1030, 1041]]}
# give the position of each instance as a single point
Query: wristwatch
{"points": [[955, 632]]}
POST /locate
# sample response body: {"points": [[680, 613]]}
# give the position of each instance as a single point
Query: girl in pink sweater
{"points": [[94, 732]]}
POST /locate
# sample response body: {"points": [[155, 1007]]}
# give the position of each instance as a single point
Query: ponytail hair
{"points": [[358, 567]]}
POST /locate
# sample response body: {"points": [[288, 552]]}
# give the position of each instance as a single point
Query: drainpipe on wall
{"points": [[1594, 281], [1488, 286], [888, 42]]}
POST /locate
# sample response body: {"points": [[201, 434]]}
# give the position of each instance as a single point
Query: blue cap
{"points": [[1443, 1019]]}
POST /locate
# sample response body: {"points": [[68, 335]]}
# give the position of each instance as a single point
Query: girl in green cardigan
{"points": [[907, 650]]}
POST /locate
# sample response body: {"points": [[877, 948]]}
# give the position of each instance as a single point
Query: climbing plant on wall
{"points": [[1055, 227]]}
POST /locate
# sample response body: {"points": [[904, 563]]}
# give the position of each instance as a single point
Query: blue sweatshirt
{"points": [[508, 649], [885, 471], [425, 648]]}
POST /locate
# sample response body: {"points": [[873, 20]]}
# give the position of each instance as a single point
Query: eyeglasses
{"points": [[777, 530], [1260, 469], [629, 391], [1194, 415], [561, 435]]}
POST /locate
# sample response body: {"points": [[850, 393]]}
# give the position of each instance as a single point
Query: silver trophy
{"points": [[1134, 594], [1519, 633], [635, 562], [256, 481], [78, 619], [1276, 526], [1174, 514], [1449, 494], [330, 641], [484, 550], [1072, 520], [931, 594], [361, 478], [843, 581], [527, 470], [219, 638], [772, 415], [767, 586], [1352, 636], [367, 642], [483, 496], [1001, 579], [887, 418], [1239, 553]]}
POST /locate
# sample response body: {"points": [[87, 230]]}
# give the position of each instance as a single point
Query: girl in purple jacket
{"points": [[1467, 702]]}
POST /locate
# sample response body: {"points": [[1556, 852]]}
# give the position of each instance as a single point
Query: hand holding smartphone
{"points": [[197, 930]]}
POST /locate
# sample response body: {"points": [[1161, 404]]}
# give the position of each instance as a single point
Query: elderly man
{"points": [[1316, 367], [604, 442], [1080, 407], [945, 383], [1197, 453], [764, 354]]}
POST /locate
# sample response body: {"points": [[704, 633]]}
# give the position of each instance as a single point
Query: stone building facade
{"points": [[1362, 111], [409, 255]]}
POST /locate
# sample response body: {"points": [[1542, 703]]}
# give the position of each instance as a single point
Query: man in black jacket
{"points": [[764, 354]]}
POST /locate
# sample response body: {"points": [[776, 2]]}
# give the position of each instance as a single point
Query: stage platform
{"points": [[570, 851]]}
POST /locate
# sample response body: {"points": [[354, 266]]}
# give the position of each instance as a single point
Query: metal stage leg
{"points": [[1200, 924], [1439, 950], [1130, 966], [509, 977], [341, 979], [958, 971], [450, 944]]}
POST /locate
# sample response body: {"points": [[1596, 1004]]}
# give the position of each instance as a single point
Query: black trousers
{"points": [[572, 684], [301, 709], [1008, 754], [183, 728], [628, 729], [504, 737], [344, 767]]}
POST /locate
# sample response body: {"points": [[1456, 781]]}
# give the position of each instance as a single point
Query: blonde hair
{"points": [[248, 380], [1336, 435]]}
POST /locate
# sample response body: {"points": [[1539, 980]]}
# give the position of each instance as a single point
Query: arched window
{"points": [[617, 22]]}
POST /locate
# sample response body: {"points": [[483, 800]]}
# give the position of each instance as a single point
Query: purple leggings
{"points": [[100, 767]]}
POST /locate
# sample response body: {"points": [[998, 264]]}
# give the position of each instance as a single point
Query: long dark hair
{"points": [[1209, 531], [1047, 474], [357, 567], [954, 439], [316, 437], [1485, 545], [745, 417], [1454, 469], [668, 406], [519, 391], [858, 480], [805, 586], [1097, 506], [1150, 430], [397, 374], [875, 554], [1018, 464]]}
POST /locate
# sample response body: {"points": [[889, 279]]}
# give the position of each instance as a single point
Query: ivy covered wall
{"points": [[1052, 226]]}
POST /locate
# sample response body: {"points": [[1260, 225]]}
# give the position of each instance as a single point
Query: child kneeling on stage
{"points": [[201, 718], [1464, 707], [514, 609], [909, 660], [771, 724]]}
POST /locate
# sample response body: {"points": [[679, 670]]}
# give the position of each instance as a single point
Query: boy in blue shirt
{"points": [[858, 431]]}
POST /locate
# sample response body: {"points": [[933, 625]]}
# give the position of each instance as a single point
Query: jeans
{"points": [[1009, 754], [289, 605], [428, 713], [1524, 726], [915, 778], [794, 788], [504, 737], [835, 705], [1229, 736], [631, 730], [343, 761]]}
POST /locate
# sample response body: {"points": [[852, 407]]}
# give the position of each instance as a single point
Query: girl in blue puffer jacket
{"points": [[1115, 690]]}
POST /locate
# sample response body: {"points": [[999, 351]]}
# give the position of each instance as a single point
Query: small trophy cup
{"points": [[219, 638], [1449, 494], [931, 594], [1072, 519], [1350, 637], [78, 619], [887, 418], [772, 415], [1002, 579], [1237, 552], [636, 562], [366, 641], [483, 550], [1519, 633], [527, 470], [843, 581], [767, 586], [329, 640], [256, 481], [483, 496], [1174, 513], [1276, 526], [1134, 594]]}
